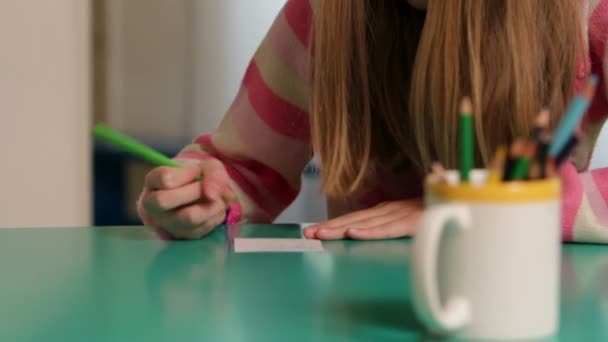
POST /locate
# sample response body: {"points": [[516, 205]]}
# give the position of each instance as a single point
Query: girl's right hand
{"points": [[174, 201]]}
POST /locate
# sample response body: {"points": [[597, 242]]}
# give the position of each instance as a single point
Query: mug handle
{"points": [[456, 312]]}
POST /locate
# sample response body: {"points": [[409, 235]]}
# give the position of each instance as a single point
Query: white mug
{"points": [[485, 259]]}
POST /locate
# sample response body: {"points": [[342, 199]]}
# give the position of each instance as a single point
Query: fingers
{"points": [[356, 216], [331, 233], [340, 223], [174, 201], [201, 230], [141, 211], [215, 179], [365, 224], [309, 232], [193, 221], [401, 227], [377, 221], [375, 216], [190, 216], [167, 177], [164, 200], [388, 220]]}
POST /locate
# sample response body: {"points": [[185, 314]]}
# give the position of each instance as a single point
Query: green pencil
{"points": [[467, 139], [130, 145], [522, 165]]}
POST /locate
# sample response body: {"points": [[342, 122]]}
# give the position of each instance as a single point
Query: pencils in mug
{"points": [[569, 147], [550, 170], [467, 139], [542, 154], [497, 165], [515, 152], [438, 171], [572, 117], [540, 123], [522, 165], [538, 168], [538, 135]]}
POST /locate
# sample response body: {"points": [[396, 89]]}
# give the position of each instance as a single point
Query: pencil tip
{"points": [[437, 169], [542, 120], [519, 144], [590, 87], [466, 107]]}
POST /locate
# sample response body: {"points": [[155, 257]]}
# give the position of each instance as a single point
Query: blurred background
{"points": [[162, 71]]}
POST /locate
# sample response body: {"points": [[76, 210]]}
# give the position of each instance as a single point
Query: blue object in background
{"points": [[110, 207], [108, 188]]}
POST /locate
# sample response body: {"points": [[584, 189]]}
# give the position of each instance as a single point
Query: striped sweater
{"points": [[264, 138]]}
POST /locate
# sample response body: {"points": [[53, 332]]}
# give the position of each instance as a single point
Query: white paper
{"points": [[248, 245]]}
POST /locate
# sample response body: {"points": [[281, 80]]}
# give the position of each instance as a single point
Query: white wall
{"points": [[149, 66], [44, 113], [175, 66], [226, 35], [600, 155]]}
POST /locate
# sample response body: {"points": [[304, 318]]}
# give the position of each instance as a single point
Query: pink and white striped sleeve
{"points": [[585, 194], [263, 140]]}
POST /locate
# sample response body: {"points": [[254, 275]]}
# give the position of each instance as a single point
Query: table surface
{"points": [[124, 284]]}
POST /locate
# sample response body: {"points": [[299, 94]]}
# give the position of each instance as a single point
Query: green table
{"points": [[124, 284]]}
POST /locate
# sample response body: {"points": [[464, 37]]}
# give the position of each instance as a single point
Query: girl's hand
{"points": [[174, 201], [385, 221]]}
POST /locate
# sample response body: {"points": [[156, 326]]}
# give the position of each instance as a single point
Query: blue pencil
{"points": [[572, 117]]}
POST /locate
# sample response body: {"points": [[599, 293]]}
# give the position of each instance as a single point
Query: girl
{"points": [[375, 97]]}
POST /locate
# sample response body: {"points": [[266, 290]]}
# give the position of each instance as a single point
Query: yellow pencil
{"points": [[438, 170], [497, 165]]}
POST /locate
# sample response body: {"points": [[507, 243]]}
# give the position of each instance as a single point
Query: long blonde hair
{"points": [[387, 78]]}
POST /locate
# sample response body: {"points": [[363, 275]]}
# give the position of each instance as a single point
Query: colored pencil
{"points": [[467, 139], [515, 152], [136, 148], [550, 170], [535, 170], [522, 165], [438, 170], [497, 165], [572, 117], [132, 146], [540, 123], [569, 147], [541, 156]]}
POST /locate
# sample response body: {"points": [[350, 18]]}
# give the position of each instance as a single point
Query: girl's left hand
{"points": [[387, 220]]}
